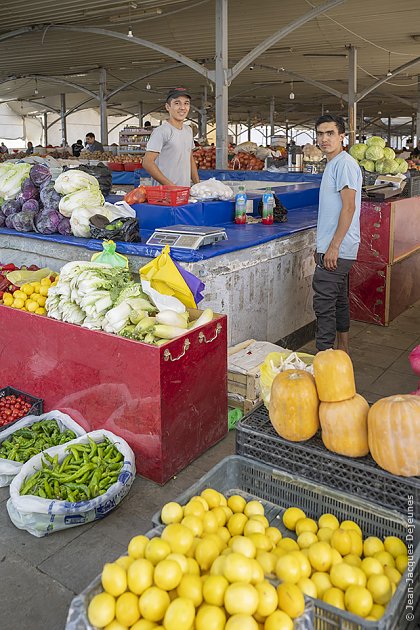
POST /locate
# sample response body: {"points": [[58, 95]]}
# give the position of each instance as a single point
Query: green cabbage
{"points": [[85, 198], [402, 165], [368, 165], [358, 151], [374, 153], [72, 180], [387, 167], [379, 166], [389, 153], [12, 175], [376, 140]]}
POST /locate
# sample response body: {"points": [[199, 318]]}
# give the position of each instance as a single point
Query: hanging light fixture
{"points": [[148, 86], [292, 94], [389, 73], [36, 91], [130, 30]]}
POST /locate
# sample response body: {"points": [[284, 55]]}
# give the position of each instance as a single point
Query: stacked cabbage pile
{"points": [[375, 157], [29, 201]]}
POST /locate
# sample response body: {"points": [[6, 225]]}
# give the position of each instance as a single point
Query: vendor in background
{"points": [[77, 148], [415, 153], [3, 148], [338, 235], [93, 145], [169, 159], [29, 148]]}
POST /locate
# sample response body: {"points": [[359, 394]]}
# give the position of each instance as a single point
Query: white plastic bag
{"points": [[211, 189], [161, 301], [9, 468], [40, 516], [120, 209]]}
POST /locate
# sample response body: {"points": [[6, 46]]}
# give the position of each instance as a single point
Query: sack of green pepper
{"points": [[30, 436], [72, 484]]}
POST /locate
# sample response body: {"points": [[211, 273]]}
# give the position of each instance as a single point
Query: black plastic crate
{"points": [[36, 409], [278, 490], [362, 477]]}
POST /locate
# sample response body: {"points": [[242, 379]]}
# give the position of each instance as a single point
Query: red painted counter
{"points": [[169, 402]]}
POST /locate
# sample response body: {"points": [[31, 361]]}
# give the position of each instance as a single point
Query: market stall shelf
{"points": [[169, 402], [361, 476]]}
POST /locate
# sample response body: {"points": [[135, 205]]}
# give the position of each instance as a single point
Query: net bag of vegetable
{"points": [[73, 484], [30, 436]]}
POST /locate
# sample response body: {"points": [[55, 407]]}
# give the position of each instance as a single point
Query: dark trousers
{"points": [[331, 301]]}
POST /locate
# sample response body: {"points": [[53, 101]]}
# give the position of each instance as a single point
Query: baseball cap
{"points": [[177, 91]]}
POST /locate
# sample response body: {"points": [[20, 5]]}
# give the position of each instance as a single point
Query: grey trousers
{"points": [[331, 301]]}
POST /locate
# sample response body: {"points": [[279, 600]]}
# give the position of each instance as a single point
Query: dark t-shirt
{"points": [[76, 149], [95, 146]]}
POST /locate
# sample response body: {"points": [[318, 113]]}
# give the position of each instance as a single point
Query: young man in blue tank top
{"points": [[338, 235]]}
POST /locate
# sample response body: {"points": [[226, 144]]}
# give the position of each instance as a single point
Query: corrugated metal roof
{"points": [[189, 27]]}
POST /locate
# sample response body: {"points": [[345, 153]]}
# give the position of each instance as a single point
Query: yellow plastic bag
{"points": [[277, 362], [24, 276], [165, 278]]}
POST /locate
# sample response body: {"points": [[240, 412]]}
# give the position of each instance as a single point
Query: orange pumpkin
{"points": [[394, 434], [334, 376], [344, 426], [294, 405]]}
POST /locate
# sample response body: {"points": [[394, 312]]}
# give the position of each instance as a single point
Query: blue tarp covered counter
{"points": [[260, 277]]}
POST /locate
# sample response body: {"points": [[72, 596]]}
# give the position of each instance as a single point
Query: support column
{"points": [[418, 113], [102, 106], [389, 130], [352, 109], [361, 125], [141, 113], [63, 120], [272, 110], [287, 132], [45, 117], [202, 116], [221, 84], [249, 126]]}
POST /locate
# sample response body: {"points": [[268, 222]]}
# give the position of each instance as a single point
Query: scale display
{"points": [[187, 236]]}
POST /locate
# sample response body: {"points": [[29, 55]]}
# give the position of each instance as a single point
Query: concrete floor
{"points": [[39, 576]]}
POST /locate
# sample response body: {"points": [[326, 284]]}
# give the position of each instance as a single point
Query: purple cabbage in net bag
{"points": [[31, 204], [2, 220], [40, 174], [47, 221], [11, 207], [24, 221], [50, 197], [9, 221], [64, 227], [29, 190]]}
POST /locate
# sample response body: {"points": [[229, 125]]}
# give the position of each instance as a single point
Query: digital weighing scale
{"points": [[187, 236]]}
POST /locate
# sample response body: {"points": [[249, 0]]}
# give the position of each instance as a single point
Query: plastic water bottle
{"points": [[268, 205], [240, 206]]}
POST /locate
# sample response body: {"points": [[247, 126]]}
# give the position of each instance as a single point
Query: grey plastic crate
{"points": [[279, 490], [361, 476]]}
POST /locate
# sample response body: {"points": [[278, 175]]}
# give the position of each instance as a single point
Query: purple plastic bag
{"points": [[195, 285]]}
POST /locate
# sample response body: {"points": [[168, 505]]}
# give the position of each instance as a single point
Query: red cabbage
{"points": [[2, 220], [24, 221], [49, 196], [11, 207], [9, 221], [31, 205], [40, 174], [29, 190], [47, 221], [64, 227]]}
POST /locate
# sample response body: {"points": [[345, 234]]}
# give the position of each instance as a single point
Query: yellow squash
{"points": [[394, 434], [294, 405], [334, 376], [344, 426]]}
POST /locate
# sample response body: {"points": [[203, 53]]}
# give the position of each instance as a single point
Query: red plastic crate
{"points": [[167, 195], [115, 166], [132, 166]]}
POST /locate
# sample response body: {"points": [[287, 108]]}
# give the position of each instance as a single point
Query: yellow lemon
{"points": [[305, 565], [335, 597], [237, 568], [224, 534], [41, 299], [124, 561], [267, 560], [202, 501], [192, 567], [401, 562], [288, 544], [137, 545], [261, 541], [393, 574], [194, 523], [101, 610], [243, 545], [291, 517], [180, 559], [44, 291], [273, 534], [306, 525], [335, 557], [306, 539], [140, 575], [351, 525], [241, 622], [31, 306], [261, 518], [114, 579], [167, 575], [236, 503], [153, 603], [28, 289], [218, 565], [210, 617], [291, 600], [144, 624], [212, 497], [377, 611], [127, 609], [356, 542], [385, 558], [179, 537], [320, 556], [206, 552], [257, 572], [191, 587], [307, 587], [236, 523], [36, 286], [45, 282], [288, 568], [194, 508], [322, 582], [352, 559], [254, 508], [343, 575], [267, 598], [18, 302], [380, 589], [156, 550], [19, 295], [341, 540], [372, 545], [324, 534], [220, 515], [395, 546], [210, 523], [179, 615], [241, 598], [40, 311], [371, 566], [7, 299], [278, 620], [214, 588], [116, 625], [358, 600], [252, 526], [171, 512], [328, 520]]}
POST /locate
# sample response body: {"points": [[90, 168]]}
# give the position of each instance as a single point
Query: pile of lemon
{"points": [[31, 297], [210, 569]]}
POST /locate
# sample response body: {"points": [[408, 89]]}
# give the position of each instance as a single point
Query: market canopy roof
{"points": [[48, 48]]}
